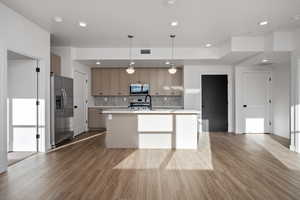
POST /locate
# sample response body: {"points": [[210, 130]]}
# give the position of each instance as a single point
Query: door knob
{"points": [[75, 107], [245, 106]]}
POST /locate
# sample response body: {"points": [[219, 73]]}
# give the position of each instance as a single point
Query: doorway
{"points": [[80, 102], [214, 103], [22, 109], [256, 102]]}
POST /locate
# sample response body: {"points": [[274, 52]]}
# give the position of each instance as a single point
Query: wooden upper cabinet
{"points": [[55, 63], [96, 81], [135, 78], [101, 82], [114, 78], [144, 76], [177, 83], [116, 81], [124, 82]]}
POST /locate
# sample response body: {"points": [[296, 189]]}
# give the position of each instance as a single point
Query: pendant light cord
{"points": [[130, 49], [172, 52]]}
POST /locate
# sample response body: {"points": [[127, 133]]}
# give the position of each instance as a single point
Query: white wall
{"points": [[281, 100], [192, 87], [295, 93], [24, 37]]}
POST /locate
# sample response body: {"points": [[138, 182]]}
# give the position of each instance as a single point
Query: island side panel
{"points": [[121, 131], [186, 131]]}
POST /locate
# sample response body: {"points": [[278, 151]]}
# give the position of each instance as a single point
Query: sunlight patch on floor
{"points": [[290, 159], [200, 159]]}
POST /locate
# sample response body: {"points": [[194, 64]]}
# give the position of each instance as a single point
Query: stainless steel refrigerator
{"points": [[62, 112]]}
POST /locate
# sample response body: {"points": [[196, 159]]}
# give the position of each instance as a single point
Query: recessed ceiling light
{"points": [[265, 61], [174, 23], [98, 63], [171, 2], [263, 23], [82, 24], [58, 19], [296, 18], [208, 45]]}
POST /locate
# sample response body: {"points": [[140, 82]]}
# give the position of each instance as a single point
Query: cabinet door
{"points": [[96, 81], [144, 75], [105, 82], [124, 82], [177, 83], [96, 120], [135, 77], [114, 78]]}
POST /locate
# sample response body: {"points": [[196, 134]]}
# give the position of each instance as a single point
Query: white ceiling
{"points": [[200, 21], [124, 63]]}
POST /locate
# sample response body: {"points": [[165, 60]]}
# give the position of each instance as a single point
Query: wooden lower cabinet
{"points": [[115, 81], [96, 120]]}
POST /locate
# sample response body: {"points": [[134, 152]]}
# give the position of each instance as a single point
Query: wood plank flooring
{"points": [[226, 166]]}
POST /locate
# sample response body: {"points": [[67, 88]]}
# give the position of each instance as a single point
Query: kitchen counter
{"points": [[126, 107], [152, 129], [153, 111]]}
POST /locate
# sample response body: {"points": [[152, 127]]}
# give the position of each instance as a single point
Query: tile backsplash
{"points": [[157, 101]]}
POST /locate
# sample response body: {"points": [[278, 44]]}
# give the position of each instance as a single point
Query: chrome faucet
{"points": [[150, 102]]}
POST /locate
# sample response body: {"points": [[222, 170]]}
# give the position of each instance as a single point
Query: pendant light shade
{"points": [[130, 69], [172, 69]]}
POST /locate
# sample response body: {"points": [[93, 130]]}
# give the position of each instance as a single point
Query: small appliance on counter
{"points": [[62, 111]]}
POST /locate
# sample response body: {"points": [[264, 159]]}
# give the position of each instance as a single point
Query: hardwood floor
{"points": [[80, 137], [225, 167], [14, 157], [284, 141]]}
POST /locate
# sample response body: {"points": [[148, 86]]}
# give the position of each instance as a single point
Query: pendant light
{"points": [[130, 69], [172, 69]]}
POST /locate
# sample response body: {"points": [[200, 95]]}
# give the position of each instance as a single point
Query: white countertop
{"points": [[126, 107], [154, 111]]}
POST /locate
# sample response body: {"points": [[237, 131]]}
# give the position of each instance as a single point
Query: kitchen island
{"points": [[152, 129]]}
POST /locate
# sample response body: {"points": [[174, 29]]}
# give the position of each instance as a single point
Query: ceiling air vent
{"points": [[145, 51]]}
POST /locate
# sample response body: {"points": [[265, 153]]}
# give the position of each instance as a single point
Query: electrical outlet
{"points": [[166, 98], [105, 99]]}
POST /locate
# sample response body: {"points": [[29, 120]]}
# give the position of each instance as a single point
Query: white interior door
{"points": [[256, 102], [80, 99]]}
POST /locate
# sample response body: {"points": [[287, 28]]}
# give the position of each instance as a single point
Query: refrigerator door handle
{"points": [[65, 97]]}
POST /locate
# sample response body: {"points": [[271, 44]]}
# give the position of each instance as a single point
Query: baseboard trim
{"points": [[76, 142]]}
